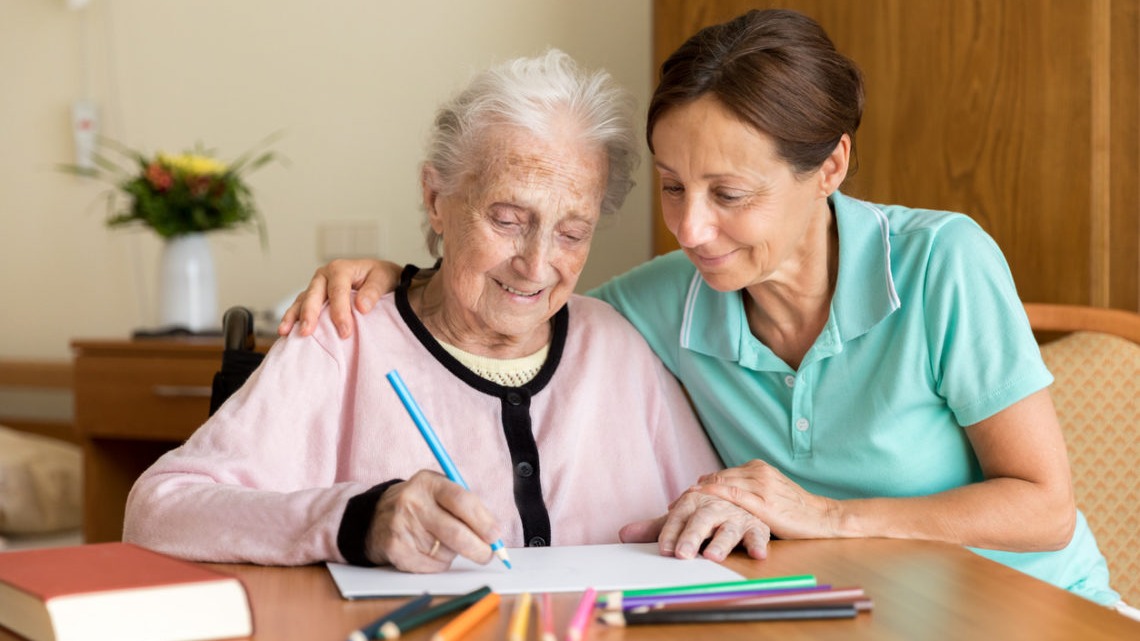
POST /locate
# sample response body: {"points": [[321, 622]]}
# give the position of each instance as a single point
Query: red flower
{"points": [[159, 177], [199, 185]]}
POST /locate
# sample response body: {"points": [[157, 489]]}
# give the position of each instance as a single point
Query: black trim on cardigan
{"points": [[515, 417], [357, 520]]}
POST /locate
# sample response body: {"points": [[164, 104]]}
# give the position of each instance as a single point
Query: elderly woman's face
{"points": [[516, 235]]}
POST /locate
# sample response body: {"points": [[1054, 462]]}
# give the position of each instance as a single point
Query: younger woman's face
{"points": [[738, 210]]}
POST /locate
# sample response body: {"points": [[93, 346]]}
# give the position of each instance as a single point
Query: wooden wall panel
{"points": [[1019, 113], [1124, 155]]}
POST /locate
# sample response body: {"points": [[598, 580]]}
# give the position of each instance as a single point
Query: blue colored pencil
{"points": [[441, 455]]}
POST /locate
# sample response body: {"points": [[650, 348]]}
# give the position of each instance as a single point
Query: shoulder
{"points": [[667, 270], [597, 326], [592, 314], [382, 319], [931, 232], [903, 222], [653, 291], [662, 274]]}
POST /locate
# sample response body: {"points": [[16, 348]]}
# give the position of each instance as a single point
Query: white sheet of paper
{"points": [[571, 568]]}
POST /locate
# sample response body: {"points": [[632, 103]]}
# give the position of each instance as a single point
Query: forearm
{"points": [[1025, 504], [194, 518], [1002, 513]]}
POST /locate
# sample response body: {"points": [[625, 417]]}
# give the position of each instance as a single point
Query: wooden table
{"points": [[921, 590]]}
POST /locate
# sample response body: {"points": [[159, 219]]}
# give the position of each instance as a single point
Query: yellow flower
{"points": [[193, 164]]}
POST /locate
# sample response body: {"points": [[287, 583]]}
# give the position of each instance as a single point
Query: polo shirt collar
{"points": [[865, 291], [714, 322]]}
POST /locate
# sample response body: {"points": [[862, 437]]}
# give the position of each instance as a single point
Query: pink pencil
{"points": [[546, 617], [581, 618]]}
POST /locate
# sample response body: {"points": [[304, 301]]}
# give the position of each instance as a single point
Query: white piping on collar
{"points": [[690, 303], [885, 231]]}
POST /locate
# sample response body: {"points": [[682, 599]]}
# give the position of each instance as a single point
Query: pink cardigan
{"points": [[267, 479]]}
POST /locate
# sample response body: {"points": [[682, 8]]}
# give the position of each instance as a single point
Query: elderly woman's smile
{"points": [[516, 292], [516, 233]]}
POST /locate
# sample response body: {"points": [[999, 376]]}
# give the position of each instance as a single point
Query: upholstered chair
{"points": [[1097, 393]]}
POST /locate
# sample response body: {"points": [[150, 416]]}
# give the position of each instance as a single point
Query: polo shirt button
{"points": [[790, 380], [514, 398], [802, 425], [524, 469], [536, 542]]}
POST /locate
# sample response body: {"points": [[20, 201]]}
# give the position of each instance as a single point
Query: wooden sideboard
{"points": [[134, 400]]}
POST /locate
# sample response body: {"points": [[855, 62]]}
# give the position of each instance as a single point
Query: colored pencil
{"points": [[699, 597], [369, 631], [581, 617], [437, 448], [394, 628], [614, 599], [463, 623], [846, 596], [546, 617], [726, 615], [520, 618]]}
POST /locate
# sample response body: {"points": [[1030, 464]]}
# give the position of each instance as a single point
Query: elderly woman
{"points": [[563, 422], [868, 370]]}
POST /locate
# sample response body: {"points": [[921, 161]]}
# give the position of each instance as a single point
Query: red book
{"points": [[120, 592]]}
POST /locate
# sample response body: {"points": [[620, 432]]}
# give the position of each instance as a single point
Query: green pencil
{"points": [[799, 581], [394, 628]]}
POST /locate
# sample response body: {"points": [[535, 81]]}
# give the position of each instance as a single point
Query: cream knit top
{"points": [[511, 372]]}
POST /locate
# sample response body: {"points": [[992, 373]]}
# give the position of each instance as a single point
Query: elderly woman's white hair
{"points": [[530, 93]]}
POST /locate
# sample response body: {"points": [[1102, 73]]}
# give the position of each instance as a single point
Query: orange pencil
{"points": [[463, 623]]}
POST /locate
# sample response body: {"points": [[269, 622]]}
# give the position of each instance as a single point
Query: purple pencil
{"points": [[805, 598]]}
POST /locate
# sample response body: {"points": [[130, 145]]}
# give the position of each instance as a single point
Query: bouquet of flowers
{"points": [[179, 194]]}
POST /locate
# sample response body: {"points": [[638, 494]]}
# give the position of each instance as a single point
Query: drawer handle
{"points": [[182, 391]]}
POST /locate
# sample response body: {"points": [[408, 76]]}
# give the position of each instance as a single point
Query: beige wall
{"points": [[351, 83]]}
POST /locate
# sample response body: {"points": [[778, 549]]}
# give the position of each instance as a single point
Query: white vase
{"points": [[188, 289]]}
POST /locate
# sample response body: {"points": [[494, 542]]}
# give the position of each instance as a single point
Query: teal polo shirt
{"points": [[926, 334]]}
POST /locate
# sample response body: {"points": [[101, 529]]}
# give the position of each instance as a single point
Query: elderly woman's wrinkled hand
{"points": [[422, 524], [334, 282], [790, 511], [696, 517]]}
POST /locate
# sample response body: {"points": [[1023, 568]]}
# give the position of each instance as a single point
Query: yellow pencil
{"points": [[520, 619], [463, 623]]}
